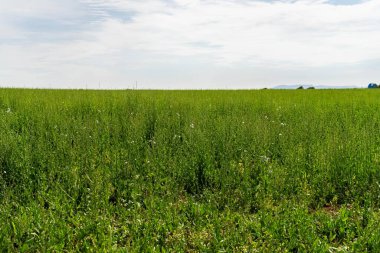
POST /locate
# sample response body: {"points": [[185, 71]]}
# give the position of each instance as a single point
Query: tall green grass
{"points": [[190, 171]]}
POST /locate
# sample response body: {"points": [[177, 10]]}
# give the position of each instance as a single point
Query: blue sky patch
{"points": [[119, 14], [345, 2]]}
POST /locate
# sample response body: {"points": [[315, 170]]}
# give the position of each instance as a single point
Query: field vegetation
{"points": [[190, 171]]}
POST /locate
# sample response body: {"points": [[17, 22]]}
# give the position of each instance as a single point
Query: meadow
{"points": [[189, 171]]}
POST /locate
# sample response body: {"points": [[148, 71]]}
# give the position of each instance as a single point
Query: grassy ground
{"points": [[190, 171]]}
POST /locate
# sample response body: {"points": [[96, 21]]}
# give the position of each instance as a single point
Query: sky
{"points": [[188, 44]]}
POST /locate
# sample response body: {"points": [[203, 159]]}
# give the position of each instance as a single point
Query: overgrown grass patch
{"points": [[190, 171]]}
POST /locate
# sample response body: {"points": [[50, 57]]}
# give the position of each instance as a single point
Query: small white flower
{"points": [[280, 134], [5, 172], [264, 158], [283, 124], [192, 125]]}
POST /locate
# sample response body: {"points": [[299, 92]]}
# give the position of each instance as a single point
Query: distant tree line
{"points": [[373, 85], [309, 88]]}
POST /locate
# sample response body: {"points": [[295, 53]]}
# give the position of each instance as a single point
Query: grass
{"points": [[190, 171]]}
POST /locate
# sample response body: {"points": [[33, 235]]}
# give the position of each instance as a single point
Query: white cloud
{"points": [[220, 34], [296, 32]]}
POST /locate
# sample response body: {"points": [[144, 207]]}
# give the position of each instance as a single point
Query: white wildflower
{"points": [[192, 125], [264, 158]]}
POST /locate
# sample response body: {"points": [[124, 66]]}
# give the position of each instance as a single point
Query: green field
{"points": [[190, 171]]}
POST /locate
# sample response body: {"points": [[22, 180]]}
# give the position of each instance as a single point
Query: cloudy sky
{"points": [[180, 44]]}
